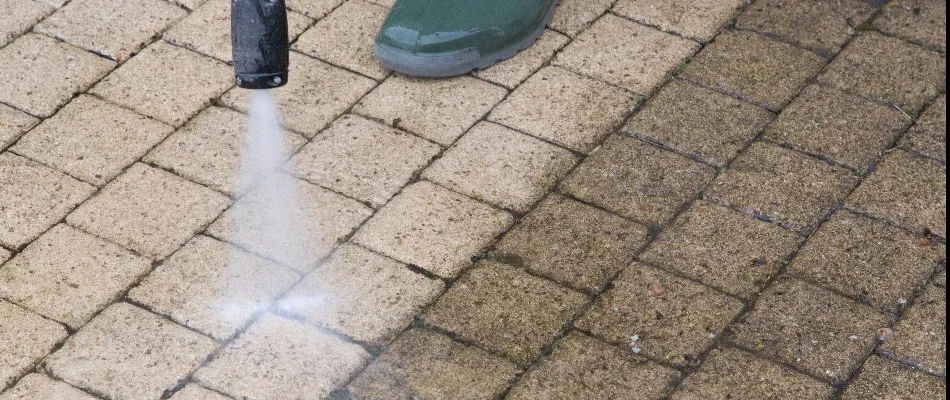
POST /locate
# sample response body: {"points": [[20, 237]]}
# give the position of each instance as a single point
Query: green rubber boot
{"points": [[440, 38]]}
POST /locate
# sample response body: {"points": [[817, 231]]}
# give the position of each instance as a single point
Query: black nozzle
{"points": [[259, 43]]}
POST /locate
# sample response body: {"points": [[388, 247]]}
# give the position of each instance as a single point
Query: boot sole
{"points": [[444, 66]]}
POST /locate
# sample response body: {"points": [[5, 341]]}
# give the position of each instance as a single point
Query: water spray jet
{"points": [[259, 45]]}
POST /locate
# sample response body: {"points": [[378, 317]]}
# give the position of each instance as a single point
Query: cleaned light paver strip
{"points": [[195, 392], [501, 166], [579, 113], [353, 27], [363, 159], [33, 198], [929, 135], [14, 123], [698, 20], [733, 374], [361, 294], [92, 140], [68, 275], [823, 26], [19, 17], [675, 319], [127, 352], [512, 72], [572, 243], [921, 334], [428, 226], [39, 386], [300, 362], [149, 211], [919, 21], [425, 364], [25, 338], [212, 287], [900, 381]]}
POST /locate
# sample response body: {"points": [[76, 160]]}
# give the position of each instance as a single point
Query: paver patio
{"points": [[710, 199]]}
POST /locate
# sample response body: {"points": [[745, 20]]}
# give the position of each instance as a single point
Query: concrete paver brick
{"points": [[114, 29], [572, 243], [149, 211], [34, 198], [20, 16], [69, 276], [637, 180], [790, 188], [195, 392], [697, 19], [127, 352], [733, 374], [888, 69], [363, 159], [207, 30], [501, 166], [300, 362], [763, 71], [353, 27], [179, 83], [578, 114], [626, 54], [920, 21], [25, 338], [505, 310], [573, 16], [426, 365], [700, 122], [908, 190], [39, 386], [438, 110], [723, 248], [14, 123], [941, 278], [921, 335], [819, 331], [842, 127], [868, 259], [188, 4], [40, 74], [208, 150], [92, 140], [823, 26], [670, 317], [929, 135], [4, 255], [512, 72], [323, 219], [433, 228], [316, 9], [361, 294], [583, 367], [889, 379], [212, 287]]}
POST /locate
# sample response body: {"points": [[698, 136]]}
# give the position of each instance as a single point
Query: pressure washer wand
{"points": [[259, 45]]}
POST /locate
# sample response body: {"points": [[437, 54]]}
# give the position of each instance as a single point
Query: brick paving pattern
{"points": [[659, 200]]}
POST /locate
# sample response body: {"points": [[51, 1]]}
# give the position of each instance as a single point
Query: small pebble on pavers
{"points": [[25, 338], [579, 113], [626, 54], [353, 26], [700, 21], [129, 353], [439, 110], [571, 242], [422, 364], [672, 119], [195, 392], [919, 21], [907, 190], [760, 70], [820, 332], [888, 69], [38, 386], [14, 123], [361, 294], [363, 159], [920, 337], [868, 259], [723, 248], [637, 180], [289, 361], [670, 318], [18, 17], [433, 228], [505, 310], [823, 26], [929, 135], [581, 367], [879, 377], [728, 373], [212, 287], [573, 16], [512, 72], [69, 275]]}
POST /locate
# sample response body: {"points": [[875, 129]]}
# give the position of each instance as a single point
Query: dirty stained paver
{"points": [[684, 200]]}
